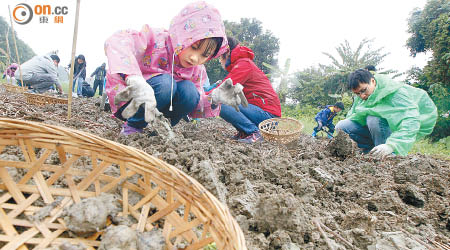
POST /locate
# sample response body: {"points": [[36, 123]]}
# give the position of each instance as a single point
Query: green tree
{"points": [[251, 34], [349, 60], [327, 84], [308, 87], [285, 78], [25, 52], [430, 32]]}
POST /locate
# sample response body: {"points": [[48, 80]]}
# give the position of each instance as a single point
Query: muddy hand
{"points": [[141, 94], [229, 94]]}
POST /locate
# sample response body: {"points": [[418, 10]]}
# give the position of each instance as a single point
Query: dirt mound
{"points": [[276, 192]]}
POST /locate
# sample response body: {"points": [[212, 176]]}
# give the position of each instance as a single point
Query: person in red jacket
{"points": [[263, 102]]}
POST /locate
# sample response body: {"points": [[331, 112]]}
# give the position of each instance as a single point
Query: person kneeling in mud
{"points": [[325, 118], [158, 71], [387, 116], [263, 102]]}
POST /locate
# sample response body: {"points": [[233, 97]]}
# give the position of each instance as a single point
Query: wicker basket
{"points": [[38, 99], [281, 130], [14, 88], [162, 195]]}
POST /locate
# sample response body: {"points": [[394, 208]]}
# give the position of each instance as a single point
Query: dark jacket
{"points": [[326, 115], [257, 88], [99, 73], [79, 70]]}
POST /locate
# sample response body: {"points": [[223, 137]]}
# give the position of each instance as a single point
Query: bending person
{"points": [[40, 73], [387, 116]]}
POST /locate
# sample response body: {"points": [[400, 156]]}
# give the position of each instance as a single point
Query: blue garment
{"points": [[367, 137], [247, 120], [210, 87], [326, 115], [80, 86], [185, 100], [325, 119]]}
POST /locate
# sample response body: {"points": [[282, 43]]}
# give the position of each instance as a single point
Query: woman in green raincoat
{"points": [[387, 116]]}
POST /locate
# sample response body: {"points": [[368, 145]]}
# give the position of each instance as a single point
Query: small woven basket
{"points": [[14, 88], [38, 99], [67, 165], [282, 130]]}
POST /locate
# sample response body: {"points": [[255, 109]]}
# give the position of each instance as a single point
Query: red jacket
{"points": [[257, 88]]}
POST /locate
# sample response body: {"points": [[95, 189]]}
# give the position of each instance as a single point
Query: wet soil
{"points": [[277, 193]]}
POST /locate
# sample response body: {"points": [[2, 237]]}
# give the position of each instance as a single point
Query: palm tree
{"points": [[283, 75], [349, 60]]}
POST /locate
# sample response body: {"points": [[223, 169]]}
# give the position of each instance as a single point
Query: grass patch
{"points": [[437, 149], [440, 149]]}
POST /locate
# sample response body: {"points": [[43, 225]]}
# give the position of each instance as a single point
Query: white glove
{"points": [[229, 94], [382, 150], [140, 93]]}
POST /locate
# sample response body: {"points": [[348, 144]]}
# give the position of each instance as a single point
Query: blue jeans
{"points": [[80, 85], [367, 137], [247, 120], [185, 100]]}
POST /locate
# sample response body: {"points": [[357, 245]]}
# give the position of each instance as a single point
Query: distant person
{"points": [[387, 116], [9, 73], [100, 74], [40, 73], [79, 75], [325, 118], [158, 71], [263, 101]]}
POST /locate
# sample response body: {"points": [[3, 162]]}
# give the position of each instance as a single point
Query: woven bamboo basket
{"points": [[282, 130], [13, 88], [46, 155], [38, 99]]}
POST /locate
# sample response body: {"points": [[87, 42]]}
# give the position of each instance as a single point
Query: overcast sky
{"points": [[305, 28]]}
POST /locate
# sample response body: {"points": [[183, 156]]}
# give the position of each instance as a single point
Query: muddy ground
{"points": [[278, 194]]}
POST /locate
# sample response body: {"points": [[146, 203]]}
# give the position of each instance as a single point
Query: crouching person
{"points": [[387, 116], [325, 118], [263, 101], [40, 73]]}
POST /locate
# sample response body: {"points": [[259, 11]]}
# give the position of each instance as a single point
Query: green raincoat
{"points": [[409, 111]]}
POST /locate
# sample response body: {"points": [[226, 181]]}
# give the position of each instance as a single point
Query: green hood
{"points": [[409, 111]]}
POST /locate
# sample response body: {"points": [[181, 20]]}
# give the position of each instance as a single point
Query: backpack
{"points": [[86, 90]]}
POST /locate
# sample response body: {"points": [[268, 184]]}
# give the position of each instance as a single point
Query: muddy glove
{"points": [[140, 93], [229, 94], [382, 150]]}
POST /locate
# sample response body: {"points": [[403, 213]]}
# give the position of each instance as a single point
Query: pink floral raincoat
{"points": [[152, 52]]}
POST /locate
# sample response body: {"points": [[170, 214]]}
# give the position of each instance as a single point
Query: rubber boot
{"points": [[314, 134]]}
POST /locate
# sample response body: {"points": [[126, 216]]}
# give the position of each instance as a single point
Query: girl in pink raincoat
{"points": [[9, 73], [170, 61]]}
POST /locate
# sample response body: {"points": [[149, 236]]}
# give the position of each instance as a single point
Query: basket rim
{"points": [[278, 119], [220, 214]]}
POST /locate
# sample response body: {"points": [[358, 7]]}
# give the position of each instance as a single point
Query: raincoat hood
{"points": [[14, 66], [197, 21], [238, 53]]}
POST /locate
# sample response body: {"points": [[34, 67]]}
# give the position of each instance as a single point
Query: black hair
{"points": [[370, 68], [232, 43], [358, 77], [80, 56], [339, 105], [213, 41], [55, 58]]}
